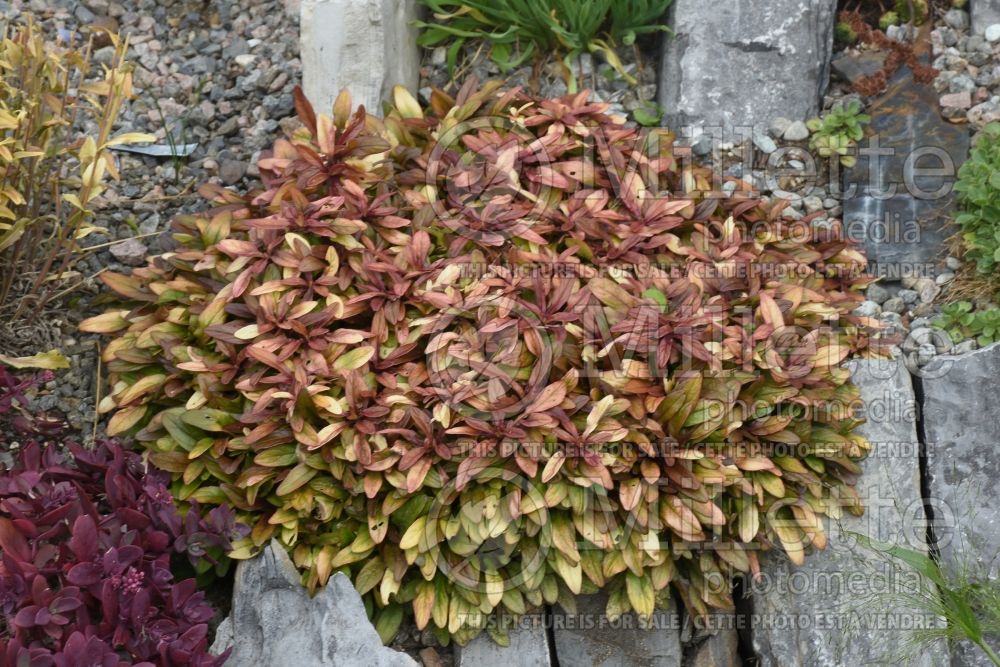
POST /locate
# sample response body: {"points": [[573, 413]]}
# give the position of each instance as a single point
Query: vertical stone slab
{"points": [[529, 647], [743, 63], [898, 196], [590, 638], [366, 46], [800, 612], [984, 14], [962, 427]]}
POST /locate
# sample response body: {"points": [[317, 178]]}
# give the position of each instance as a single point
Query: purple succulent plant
{"points": [[89, 547]]}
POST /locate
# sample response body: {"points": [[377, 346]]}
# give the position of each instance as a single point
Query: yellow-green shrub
{"points": [[51, 173]]}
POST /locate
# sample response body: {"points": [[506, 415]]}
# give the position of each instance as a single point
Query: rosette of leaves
{"points": [[90, 547], [961, 321], [837, 132], [494, 353]]}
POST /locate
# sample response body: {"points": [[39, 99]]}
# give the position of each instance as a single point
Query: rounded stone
{"points": [[894, 305], [868, 309], [796, 131], [877, 293], [944, 278], [992, 33]]}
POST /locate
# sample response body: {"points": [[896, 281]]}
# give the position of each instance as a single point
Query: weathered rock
{"points": [[131, 252], [961, 423], [529, 647], [366, 46], [275, 623], [718, 650], [826, 613], [957, 18], [719, 51], [898, 197], [878, 293], [590, 638], [232, 171], [854, 66]]}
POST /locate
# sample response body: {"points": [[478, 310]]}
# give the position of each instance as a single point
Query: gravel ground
{"points": [[219, 74]]}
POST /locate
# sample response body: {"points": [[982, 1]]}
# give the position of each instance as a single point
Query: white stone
{"points": [[797, 131], [274, 622], [366, 46], [529, 647], [993, 33]]}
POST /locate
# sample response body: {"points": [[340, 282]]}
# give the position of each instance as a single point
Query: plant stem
{"points": [[989, 652]]}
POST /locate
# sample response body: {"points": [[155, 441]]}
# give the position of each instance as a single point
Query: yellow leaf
{"points": [[248, 332], [411, 538], [50, 360], [423, 604], [640, 594], [125, 419], [109, 322], [131, 138], [354, 359], [407, 106], [140, 388]]}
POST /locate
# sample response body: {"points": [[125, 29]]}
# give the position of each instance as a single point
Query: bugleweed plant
{"points": [[978, 186], [51, 174], [86, 576], [494, 353], [518, 31]]}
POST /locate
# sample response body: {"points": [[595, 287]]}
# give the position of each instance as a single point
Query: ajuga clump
{"points": [[492, 353]]}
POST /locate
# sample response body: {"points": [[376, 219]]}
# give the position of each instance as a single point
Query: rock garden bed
{"points": [[779, 118]]}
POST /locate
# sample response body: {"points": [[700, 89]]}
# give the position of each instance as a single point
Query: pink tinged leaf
{"points": [[85, 574], [83, 543], [13, 542]]}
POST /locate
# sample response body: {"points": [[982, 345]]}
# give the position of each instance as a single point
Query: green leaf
{"points": [[295, 478], [354, 359], [387, 622], [207, 419]]}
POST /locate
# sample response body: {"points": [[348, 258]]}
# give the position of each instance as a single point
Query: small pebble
{"points": [[131, 253], [796, 131], [894, 305], [764, 143], [944, 278], [877, 293], [992, 33], [779, 126], [868, 309]]}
